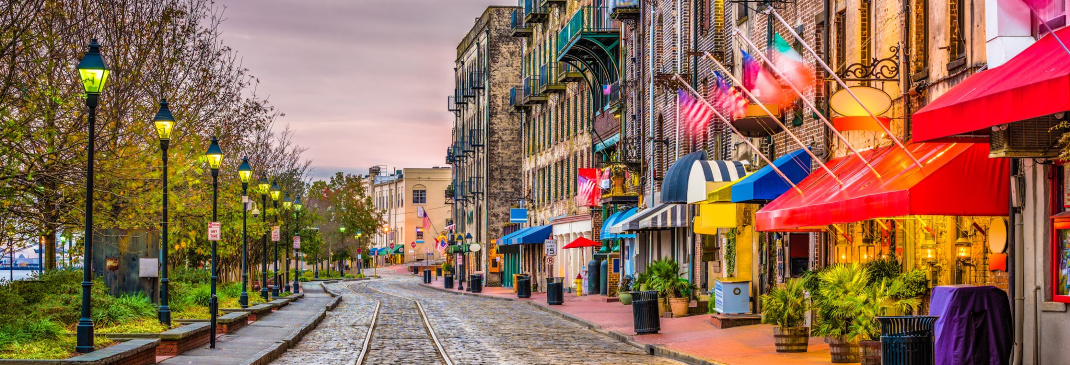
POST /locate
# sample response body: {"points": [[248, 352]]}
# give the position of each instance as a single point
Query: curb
{"points": [[653, 350], [275, 351]]}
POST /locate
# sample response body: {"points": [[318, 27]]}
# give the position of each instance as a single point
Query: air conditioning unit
{"points": [[1037, 138]]}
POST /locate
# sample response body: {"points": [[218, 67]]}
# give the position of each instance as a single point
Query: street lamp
{"points": [[286, 204], [263, 185], [297, 248], [164, 122], [94, 73], [214, 155], [275, 192], [467, 273], [245, 173], [341, 262]]}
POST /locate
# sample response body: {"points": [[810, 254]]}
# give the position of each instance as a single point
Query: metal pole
{"points": [[275, 288], [297, 257], [213, 306], [244, 298], [263, 249], [85, 324], [165, 310]]}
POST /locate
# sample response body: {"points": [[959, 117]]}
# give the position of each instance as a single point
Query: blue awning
{"points": [[528, 235], [674, 187], [607, 143], [613, 220], [505, 238], [765, 184]]}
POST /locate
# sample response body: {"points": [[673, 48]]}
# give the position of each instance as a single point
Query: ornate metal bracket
{"points": [[884, 69]]}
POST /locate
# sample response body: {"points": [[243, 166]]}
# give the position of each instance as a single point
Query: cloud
{"points": [[362, 82]]}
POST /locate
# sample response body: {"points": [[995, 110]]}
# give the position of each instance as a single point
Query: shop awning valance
{"points": [[505, 238], [1034, 83], [580, 243], [709, 175], [537, 234], [620, 217], [958, 179], [661, 216], [674, 186], [765, 184]]}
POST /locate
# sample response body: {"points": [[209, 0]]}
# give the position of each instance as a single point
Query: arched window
{"points": [[419, 194]]}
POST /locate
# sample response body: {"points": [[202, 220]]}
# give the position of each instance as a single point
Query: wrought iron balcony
{"points": [[466, 145], [625, 9], [553, 2], [532, 92], [548, 79], [516, 98], [449, 156], [476, 80], [569, 73], [519, 27], [459, 193], [458, 97], [452, 104], [475, 137], [591, 23], [475, 185], [534, 11]]}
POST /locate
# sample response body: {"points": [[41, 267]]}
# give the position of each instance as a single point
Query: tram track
{"points": [[399, 332]]}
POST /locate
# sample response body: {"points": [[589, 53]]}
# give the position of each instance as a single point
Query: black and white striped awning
{"points": [[662, 216], [718, 172]]}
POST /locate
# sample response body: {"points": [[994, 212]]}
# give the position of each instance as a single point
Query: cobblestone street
{"points": [[472, 330]]}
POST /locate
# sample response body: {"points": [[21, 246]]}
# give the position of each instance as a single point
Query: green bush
{"points": [[188, 275], [883, 268], [785, 305]]}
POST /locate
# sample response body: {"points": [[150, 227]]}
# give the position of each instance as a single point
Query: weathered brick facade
{"points": [[487, 181]]}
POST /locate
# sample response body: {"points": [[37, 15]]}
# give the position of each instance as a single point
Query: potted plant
{"points": [[624, 290], [642, 281], [840, 300], [785, 307], [665, 277], [447, 268], [893, 295]]}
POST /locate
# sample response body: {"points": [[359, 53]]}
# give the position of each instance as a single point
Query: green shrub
{"points": [[189, 275], [785, 305], [883, 268]]}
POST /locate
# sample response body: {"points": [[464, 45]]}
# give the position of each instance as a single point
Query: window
{"points": [[704, 13], [1054, 14], [840, 59], [420, 233], [419, 196], [865, 22], [956, 22]]}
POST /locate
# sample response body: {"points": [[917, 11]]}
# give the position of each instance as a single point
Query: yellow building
{"points": [[405, 196]]}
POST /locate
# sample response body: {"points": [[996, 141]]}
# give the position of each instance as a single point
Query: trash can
{"points": [[448, 283], [475, 282], [427, 276], [523, 286], [555, 291], [907, 340], [645, 312]]}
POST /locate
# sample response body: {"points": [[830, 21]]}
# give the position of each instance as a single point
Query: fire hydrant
{"points": [[579, 285]]}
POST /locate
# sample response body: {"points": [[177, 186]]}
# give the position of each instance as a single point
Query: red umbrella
{"points": [[581, 242]]}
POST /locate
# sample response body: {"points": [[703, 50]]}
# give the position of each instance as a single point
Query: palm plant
{"points": [[841, 299], [785, 305]]}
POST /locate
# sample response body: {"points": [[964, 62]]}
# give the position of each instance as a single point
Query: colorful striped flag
{"points": [[761, 83], [694, 113], [791, 64]]}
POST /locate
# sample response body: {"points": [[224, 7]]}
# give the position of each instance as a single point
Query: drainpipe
{"points": [[1012, 288]]}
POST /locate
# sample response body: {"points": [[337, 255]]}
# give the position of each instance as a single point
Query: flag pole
{"points": [[845, 88], [733, 128], [774, 118], [809, 104]]}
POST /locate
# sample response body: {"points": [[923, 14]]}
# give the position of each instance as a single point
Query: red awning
{"points": [[581, 242], [958, 179], [1034, 83]]}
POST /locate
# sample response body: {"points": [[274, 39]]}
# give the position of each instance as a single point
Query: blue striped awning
{"points": [[613, 220], [537, 234], [765, 184], [505, 238]]}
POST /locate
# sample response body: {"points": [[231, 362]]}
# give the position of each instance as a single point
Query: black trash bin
{"points": [[427, 276], [448, 283], [523, 286], [475, 282], [555, 292], [645, 312], [907, 340]]}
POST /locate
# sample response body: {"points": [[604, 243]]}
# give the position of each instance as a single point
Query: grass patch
{"points": [[141, 325]]}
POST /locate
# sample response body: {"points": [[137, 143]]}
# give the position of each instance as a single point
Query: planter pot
{"points": [[679, 306], [626, 298], [842, 351], [870, 352], [663, 306], [791, 339]]}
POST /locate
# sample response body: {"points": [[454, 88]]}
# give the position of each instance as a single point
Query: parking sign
{"points": [[215, 231]]}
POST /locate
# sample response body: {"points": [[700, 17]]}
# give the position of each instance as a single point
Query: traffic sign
{"points": [[550, 247], [413, 244], [215, 231], [297, 242], [549, 260], [391, 245], [276, 235]]}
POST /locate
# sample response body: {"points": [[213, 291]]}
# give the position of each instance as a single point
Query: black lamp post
{"points": [[296, 288], [263, 186], [341, 262], [467, 273], [94, 73], [164, 122], [214, 155], [275, 192], [286, 204], [245, 173]]}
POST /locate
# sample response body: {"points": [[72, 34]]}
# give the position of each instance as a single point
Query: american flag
{"points": [[694, 113], [427, 221]]}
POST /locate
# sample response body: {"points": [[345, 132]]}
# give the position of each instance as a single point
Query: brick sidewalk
{"points": [[693, 336]]}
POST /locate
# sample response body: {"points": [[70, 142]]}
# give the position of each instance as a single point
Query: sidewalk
{"points": [[693, 336], [251, 343]]}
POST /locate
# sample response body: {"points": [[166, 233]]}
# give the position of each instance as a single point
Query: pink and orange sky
{"points": [[362, 82]]}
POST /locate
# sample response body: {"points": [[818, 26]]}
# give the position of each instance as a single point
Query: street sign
{"points": [[358, 251], [391, 245], [276, 235], [360, 257], [215, 231], [297, 242], [413, 244], [550, 246], [549, 260]]}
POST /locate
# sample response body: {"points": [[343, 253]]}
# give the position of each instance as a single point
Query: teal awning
{"points": [[528, 235], [765, 184], [607, 143], [614, 219]]}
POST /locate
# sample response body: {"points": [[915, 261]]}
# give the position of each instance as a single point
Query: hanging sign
{"points": [[297, 242], [276, 235], [215, 231]]}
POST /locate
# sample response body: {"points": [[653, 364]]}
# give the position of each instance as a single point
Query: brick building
{"points": [[405, 197], [486, 146]]}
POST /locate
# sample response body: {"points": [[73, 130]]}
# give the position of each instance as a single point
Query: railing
{"points": [[475, 136], [475, 185], [534, 10], [516, 20], [548, 73], [514, 96], [452, 104], [460, 193], [475, 79], [458, 96], [587, 19], [616, 4]]}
